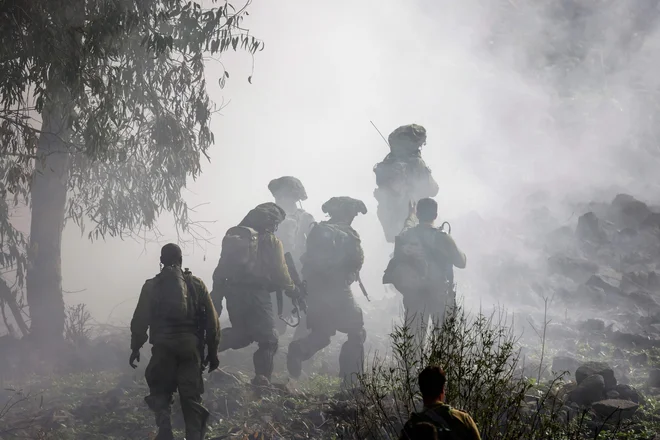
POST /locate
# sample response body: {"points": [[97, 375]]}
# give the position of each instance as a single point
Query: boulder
{"points": [[593, 325], [596, 368], [639, 359], [577, 269], [565, 363], [615, 409], [654, 378], [626, 392], [612, 394], [589, 228], [589, 390], [607, 279], [629, 211]]}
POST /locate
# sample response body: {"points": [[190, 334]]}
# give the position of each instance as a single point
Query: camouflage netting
{"points": [[264, 216], [288, 185], [407, 136], [348, 205]]}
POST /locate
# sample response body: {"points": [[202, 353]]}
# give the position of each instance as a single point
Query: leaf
{"points": [[226, 74], [250, 79]]}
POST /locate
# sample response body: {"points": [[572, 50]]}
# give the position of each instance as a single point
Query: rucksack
{"points": [[238, 257], [328, 247], [173, 302], [414, 265], [429, 416]]}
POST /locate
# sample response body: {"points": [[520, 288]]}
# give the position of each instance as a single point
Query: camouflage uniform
{"points": [[431, 304], [176, 362], [330, 302], [401, 177], [292, 232], [460, 423], [249, 301]]}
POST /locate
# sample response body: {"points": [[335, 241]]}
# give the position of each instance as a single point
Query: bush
{"points": [[481, 357]]}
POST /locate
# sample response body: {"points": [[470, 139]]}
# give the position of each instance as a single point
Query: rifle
{"points": [[299, 301], [364, 291], [201, 318]]}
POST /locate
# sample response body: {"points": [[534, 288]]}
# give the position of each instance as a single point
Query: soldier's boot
{"points": [[196, 418], [263, 359], [351, 357], [302, 350], [162, 408]]}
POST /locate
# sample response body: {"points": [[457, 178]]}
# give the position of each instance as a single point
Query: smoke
{"points": [[517, 97]]}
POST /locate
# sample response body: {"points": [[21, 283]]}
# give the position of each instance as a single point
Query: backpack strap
{"points": [[440, 422]]}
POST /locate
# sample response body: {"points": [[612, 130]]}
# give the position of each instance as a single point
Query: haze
{"points": [[495, 130]]}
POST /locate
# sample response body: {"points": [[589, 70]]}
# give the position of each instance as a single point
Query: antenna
{"points": [[381, 134]]}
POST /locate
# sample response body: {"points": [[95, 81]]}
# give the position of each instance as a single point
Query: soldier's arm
{"points": [[141, 318], [212, 321], [281, 279], [356, 258], [457, 258], [471, 430]]}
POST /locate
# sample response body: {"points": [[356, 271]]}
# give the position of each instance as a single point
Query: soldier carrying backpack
{"points": [[401, 177], [422, 267], [331, 263], [288, 192], [449, 423], [251, 266], [177, 310]]}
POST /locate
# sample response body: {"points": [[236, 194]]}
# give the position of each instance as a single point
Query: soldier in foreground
{"points": [[251, 266], [288, 191], [422, 267], [449, 423], [401, 177], [176, 308], [331, 263]]}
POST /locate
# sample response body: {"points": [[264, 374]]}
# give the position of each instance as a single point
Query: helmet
{"points": [[288, 185]]}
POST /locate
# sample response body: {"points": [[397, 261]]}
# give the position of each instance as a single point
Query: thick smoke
{"points": [[519, 98]]}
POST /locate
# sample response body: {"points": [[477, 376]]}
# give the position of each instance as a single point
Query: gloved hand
{"points": [[293, 293], [135, 356], [213, 361]]}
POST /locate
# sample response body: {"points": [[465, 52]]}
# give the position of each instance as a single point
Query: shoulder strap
{"points": [[439, 421]]}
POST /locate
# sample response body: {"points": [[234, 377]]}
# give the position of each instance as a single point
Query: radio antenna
{"points": [[381, 134]]}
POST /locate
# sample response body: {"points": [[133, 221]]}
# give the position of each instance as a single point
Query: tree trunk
{"points": [[48, 197]]}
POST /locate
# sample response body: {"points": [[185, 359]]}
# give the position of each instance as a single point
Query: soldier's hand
{"points": [[411, 207], [213, 362], [135, 357]]}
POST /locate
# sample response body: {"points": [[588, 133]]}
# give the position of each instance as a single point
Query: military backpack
{"points": [[239, 254], [173, 301], [329, 247]]}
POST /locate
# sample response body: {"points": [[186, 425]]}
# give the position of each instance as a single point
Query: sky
{"points": [[330, 68]]}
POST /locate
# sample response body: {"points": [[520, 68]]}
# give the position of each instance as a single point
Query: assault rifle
{"points": [[299, 300]]}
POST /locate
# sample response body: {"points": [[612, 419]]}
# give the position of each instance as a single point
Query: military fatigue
{"points": [[176, 362], [460, 423], [250, 307], [332, 309], [431, 304], [400, 179]]}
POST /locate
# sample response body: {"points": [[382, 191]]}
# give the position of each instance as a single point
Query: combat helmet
{"points": [[265, 216], [407, 138], [344, 205], [288, 185]]}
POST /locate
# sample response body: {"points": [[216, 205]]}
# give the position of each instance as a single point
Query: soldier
{"points": [[402, 177], [450, 423], [176, 308], [251, 266], [288, 191], [330, 265], [422, 267]]}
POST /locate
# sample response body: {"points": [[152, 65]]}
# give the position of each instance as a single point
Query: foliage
{"points": [[130, 77], [480, 357], [77, 324]]}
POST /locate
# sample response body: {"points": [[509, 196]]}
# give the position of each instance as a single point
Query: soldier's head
{"points": [[287, 191], [407, 139], [432, 381], [427, 210], [171, 255], [264, 217], [343, 209]]}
